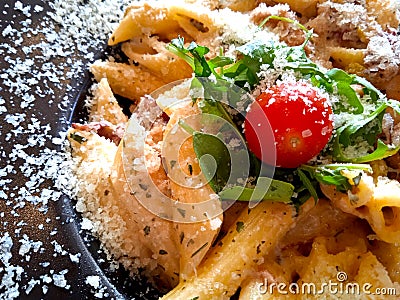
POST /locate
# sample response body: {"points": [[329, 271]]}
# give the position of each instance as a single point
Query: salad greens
{"points": [[214, 160], [331, 174], [76, 137], [194, 55], [363, 127], [363, 130], [280, 190]]}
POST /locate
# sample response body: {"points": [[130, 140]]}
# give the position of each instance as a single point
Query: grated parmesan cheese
{"points": [[44, 52]]}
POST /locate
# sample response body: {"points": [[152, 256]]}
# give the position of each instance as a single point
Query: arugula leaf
{"points": [[362, 129], [218, 96], [357, 127], [278, 191], [310, 185], [331, 174], [215, 163], [201, 67], [254, 54], [220, 62], [214, 159], [197, 60], [343, 82], [177, 47], [258, 53], [302, 194], [213, 93], [382, 151], [369, 88]]}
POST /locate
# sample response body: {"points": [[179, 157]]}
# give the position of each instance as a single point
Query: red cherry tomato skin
{"points": [[301, 121]]}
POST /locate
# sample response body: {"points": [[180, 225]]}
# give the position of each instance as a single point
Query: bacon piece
{"points": [[105, 129]]}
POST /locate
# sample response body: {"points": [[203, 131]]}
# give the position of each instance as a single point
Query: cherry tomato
{"points": [[300, 120]]}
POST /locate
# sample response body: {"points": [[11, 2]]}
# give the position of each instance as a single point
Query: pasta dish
{"points": [[259, 158]]}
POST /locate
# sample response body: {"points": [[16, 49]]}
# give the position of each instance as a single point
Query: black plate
{"points": [[39, 98]]}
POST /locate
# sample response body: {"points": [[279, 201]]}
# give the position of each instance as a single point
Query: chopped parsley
{"points": [[78, 138], [146, 230], [182, 212], [239, 226]]}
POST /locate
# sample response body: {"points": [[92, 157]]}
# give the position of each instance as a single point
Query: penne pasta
{"points": [[335, 213], [126, 80], [255, 233], [377, 203], [105, 106]]}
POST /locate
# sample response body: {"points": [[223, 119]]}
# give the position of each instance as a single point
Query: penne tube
{"points": [[255, 233]]}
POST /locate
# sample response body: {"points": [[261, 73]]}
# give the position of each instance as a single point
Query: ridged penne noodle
{"points": [[155, 233], [377, 203], [105, 106], [193, 239], [349, 59], [157, 59], [126, 80], [146, 20], [256, 233], [198, 23], [137, 233]]}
